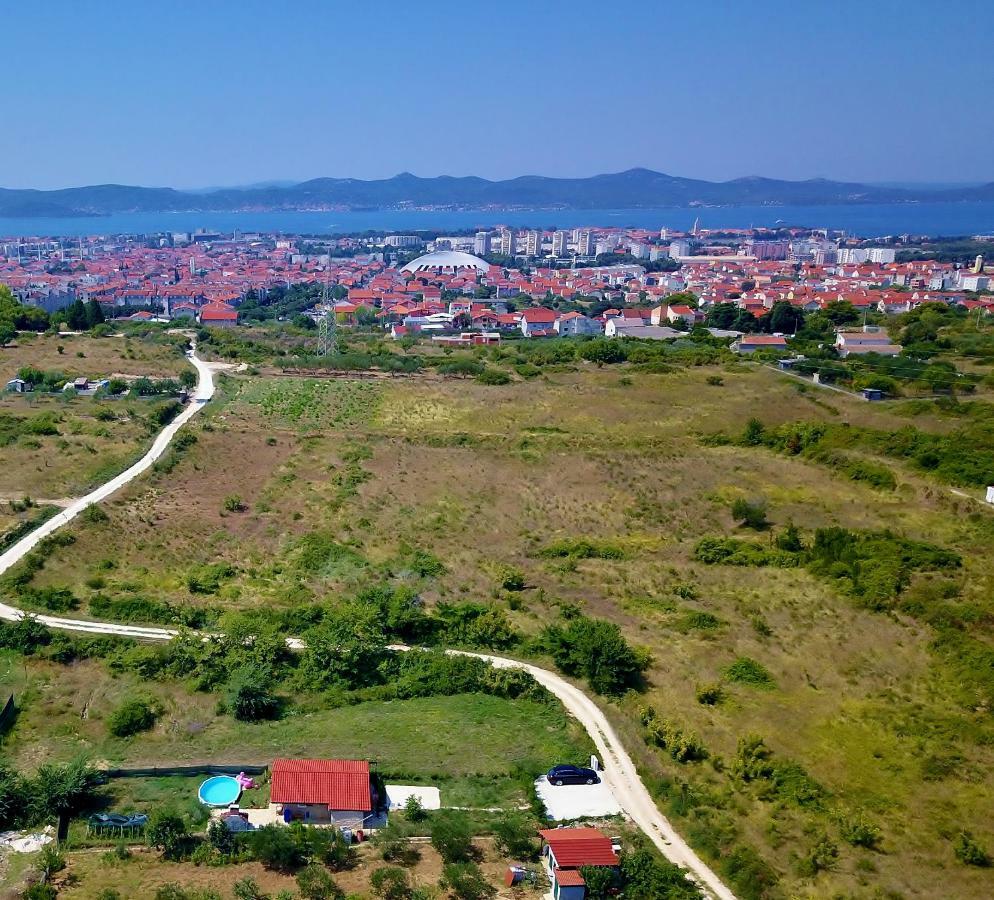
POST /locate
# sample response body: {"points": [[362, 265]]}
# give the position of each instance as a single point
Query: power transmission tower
{"points": [[326, 325]]}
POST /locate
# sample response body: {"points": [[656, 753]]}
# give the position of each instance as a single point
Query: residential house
{"points": [[849, 343], [537, 321], [218, 315], [750, 343], [567, 850], [322, 791], [618, 327], [573, 323]]}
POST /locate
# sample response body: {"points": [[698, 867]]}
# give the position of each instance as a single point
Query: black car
{"points": [[560, 775]]}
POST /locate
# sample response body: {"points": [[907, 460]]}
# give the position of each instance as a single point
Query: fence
{"points": [[162, 771]]}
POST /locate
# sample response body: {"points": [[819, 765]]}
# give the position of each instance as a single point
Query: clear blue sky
{"points": [[218, 93]]}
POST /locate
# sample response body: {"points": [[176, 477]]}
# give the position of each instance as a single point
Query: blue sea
{"points": [[872, 220]]}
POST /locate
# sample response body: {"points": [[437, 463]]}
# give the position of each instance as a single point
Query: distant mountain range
{"points": [[633, 189]]}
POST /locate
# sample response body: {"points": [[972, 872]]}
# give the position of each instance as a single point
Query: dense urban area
{"points": [[508, 563]]}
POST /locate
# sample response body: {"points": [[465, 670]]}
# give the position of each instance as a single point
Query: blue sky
{"points": [[194, 94]]}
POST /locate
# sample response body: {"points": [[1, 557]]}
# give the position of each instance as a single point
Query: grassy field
{"points": [[59, 447], [132, 353], [484, 477], [63, 713], [89, 873]]}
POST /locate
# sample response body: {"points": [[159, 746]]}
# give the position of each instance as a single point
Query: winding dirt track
{"points": [[619, 770]]}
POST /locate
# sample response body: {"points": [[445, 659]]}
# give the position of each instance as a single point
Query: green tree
{"points": [[75, 314], [452, 837], [600, 881], [603, 351], [250, 698], [598, 651], [647, 877], [514, 836], [167, 831], [414, 810], [7, 332], [94, 314], [275, 847]]}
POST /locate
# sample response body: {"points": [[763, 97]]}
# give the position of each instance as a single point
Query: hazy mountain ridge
{"points": [[632, 189]]}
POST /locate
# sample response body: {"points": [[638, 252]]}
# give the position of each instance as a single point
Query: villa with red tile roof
{"points": [[322, 791]]}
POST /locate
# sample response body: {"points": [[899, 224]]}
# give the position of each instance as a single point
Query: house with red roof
{"points": [[322, 791], [537, 321], [750, 343], [218, 315], [567, 850]]}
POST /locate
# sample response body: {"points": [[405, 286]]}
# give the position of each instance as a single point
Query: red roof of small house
{"points": [[569, 878], [218, 312], [336, 783], [771, 339], [575, 847], [538, 314]]}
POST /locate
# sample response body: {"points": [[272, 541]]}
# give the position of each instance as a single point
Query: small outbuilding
{"points": [[566, 850]]}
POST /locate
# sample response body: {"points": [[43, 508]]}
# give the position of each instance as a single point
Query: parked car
{"points": [[560, 775]]}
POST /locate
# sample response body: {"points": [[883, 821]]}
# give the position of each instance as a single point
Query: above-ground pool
{"points": [[221, 790]]}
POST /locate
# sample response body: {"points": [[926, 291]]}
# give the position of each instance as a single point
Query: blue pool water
{"points": [[221, 790]]}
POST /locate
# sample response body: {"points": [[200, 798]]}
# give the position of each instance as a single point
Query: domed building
{"points": [[447, 262]]}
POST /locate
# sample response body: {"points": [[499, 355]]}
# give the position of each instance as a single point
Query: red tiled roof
{"points": [[337, 783], [763, 339], [569, 878], [575, 847]]}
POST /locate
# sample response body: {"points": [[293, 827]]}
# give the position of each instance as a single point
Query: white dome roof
{"points": [[446, 260]]}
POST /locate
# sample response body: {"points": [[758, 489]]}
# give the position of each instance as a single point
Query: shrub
{"points": [[751, 514], [823, 855], [493, 377], [600, 880], [248, 889], [969, 852], [131, 717], [683, 746], [747, 671], [315, 883], [751, 875], [859, 832], [390, 883], [94, 515], [709, 694], [452, 837], [465, 881], [581, 548], [233, 503]]}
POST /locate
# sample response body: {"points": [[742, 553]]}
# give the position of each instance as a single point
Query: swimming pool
{"points": [[221, 790]]}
